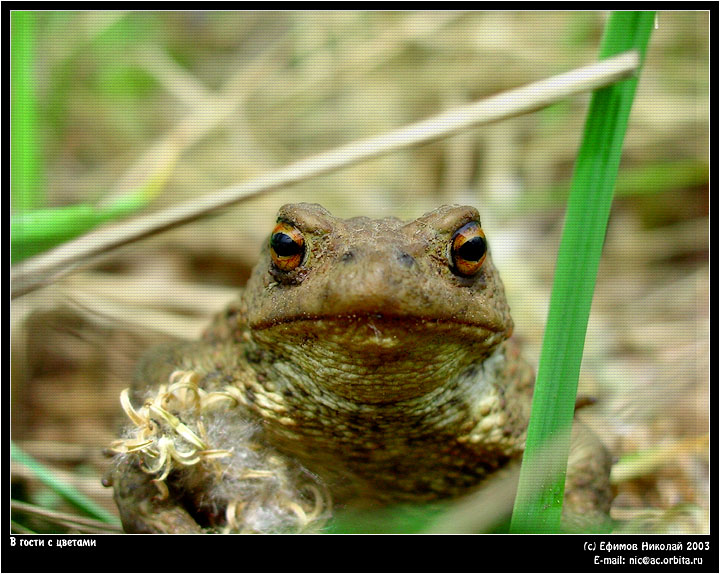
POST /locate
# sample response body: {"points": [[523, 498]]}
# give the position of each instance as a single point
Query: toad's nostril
{"points": [[347, 256], [405, 259]]}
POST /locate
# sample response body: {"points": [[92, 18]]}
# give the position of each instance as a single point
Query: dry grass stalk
{"points": [[49, 267]]}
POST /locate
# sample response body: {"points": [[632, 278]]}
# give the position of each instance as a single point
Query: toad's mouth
{"points": [[389, 320]]}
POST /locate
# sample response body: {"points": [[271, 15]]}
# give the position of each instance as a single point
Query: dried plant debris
{"points": [[210, 437]]}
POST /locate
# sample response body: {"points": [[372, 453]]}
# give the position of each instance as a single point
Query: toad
{"points": [[368, 362]]}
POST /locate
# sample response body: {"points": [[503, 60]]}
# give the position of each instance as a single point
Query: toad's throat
{"points": [[375, 360]]}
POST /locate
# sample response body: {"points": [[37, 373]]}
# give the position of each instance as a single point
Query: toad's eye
{"points": [[287, 246], [468, 249]]}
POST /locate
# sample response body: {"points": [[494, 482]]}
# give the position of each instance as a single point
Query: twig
{"points": [[210, 110], [49, 267], [69, 520], [63, 488], [152, 320], [183, 298], [57, 451], [17, 528], [88, 486]]}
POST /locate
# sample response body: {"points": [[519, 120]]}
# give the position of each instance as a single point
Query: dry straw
{"points": [[47, 268]]}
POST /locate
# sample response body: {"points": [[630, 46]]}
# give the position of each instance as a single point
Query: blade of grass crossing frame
{"points": [[38, 230], [538, 504], [26, 165], [69, 493]]}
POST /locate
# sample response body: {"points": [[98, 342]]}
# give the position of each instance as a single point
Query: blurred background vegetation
{"points": [[191, 102]]}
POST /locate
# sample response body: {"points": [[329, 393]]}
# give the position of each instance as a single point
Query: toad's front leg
{"points": [[142, 509], [588, 493], [193, 458], [166, 470]]}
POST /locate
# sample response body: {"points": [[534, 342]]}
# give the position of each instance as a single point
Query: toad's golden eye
{"points": [[287, 246], [468, 249]]}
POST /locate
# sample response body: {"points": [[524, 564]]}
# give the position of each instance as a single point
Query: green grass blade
{"points": [[77, 499], [33, 232], [16, 527], [538, 504], [25, 164]]}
